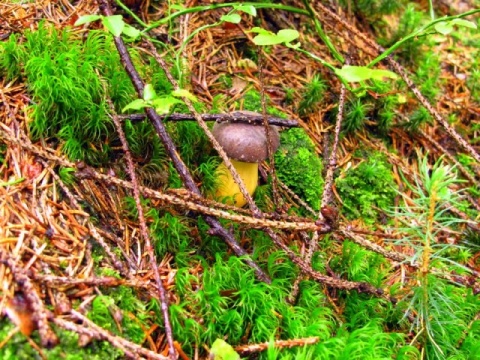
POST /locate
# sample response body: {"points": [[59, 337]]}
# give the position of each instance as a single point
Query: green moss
{"points": [[59, 70], [192, 143], [225, 81], [427, 74], [233, 305], [170, 234], [252, 101], [366, 186], [289, 95], [206, 172], [385, 104], [356, 112], [299, 167], [131, 316], [150, 158], [417, 119], [219, 104], [11, 57], [69, 79], [358, 264], [312, 95], [18, 347]]}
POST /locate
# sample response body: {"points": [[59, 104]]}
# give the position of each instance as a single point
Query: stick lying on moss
{"points": [[235, 117]]}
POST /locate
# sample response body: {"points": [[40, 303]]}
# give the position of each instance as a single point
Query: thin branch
{"points": [[393, 255], [234, 117], [332, 161], [145, 233], [256, 348]]}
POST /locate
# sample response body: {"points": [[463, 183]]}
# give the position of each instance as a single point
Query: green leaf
{"points": [[149, 92], [164, 104], [446, 27], [131, 31], [221, 350], [287, 35], [248, 9], [464, 23], [185, 93], [136, 104], [265, 37], [362, 73], [86, 19], [259, 30], [231, 18], [114, 24]]}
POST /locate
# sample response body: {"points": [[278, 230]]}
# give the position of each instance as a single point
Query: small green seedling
{"points": [[114, 24], [162, 104], [265, 37], [361, 73]]}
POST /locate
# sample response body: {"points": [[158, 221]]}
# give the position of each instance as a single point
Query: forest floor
{"points": [[362, 239]]}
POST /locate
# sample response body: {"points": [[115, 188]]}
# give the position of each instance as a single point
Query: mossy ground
{"points": [[65, 76]]}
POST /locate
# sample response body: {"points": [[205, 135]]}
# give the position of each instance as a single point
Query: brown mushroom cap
{"points": [[245, 142]]}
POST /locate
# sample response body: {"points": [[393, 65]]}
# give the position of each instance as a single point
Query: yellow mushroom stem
{"points": [[228, 189]]}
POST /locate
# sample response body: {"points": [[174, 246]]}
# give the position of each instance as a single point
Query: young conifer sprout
{"points": [[246, 146]]}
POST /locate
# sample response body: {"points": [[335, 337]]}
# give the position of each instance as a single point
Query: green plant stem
{"points": [[430, 6], [220, 6], [395, 46], [316, 58], [321, 33], [324, 63], [426, 261], [178, 54], [131, 13], [428, 235]]}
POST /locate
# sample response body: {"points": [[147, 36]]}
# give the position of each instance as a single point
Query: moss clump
{"points": [[252, 101], [131, 316], [356, 112], [368, 186], [69, 79], [299, 167], [417, 119], [312, 95], [19, 348], [226, 301]]}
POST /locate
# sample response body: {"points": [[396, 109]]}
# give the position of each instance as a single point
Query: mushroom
{"points": [[246, 146]]}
